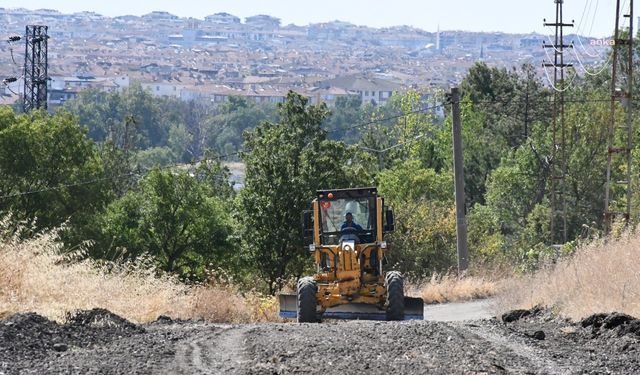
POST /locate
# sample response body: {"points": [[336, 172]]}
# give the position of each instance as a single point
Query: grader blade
{"points": [[288, 306], [413, 310]]}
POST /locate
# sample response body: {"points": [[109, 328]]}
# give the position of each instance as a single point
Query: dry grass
{"points": [[450, 288], [33, 277], [600, 277]]}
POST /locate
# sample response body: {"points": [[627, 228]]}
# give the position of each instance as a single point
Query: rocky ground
{"points": [[520, 342]]}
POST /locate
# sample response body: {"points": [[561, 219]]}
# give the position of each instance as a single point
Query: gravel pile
{"points": [[519, 342]]}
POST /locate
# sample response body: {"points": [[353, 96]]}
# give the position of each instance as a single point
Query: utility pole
{"points": [[458, 170], [35, 67], [617, 201], [558, 150]]}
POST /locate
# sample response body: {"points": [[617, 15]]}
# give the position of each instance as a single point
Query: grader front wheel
{"points": [[307, 289], [395, 296]]}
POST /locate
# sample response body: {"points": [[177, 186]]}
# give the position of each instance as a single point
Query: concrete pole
{"points": [[458, 170]]}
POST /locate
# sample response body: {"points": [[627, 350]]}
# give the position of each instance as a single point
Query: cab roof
{"points": [[348, 193]]}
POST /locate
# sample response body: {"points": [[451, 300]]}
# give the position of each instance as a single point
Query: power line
{"points": [[548, 100], [372, 122], [7, 81], [604, 66], [65, 186], [394, 146], [553, 85], [109, 178], [176, 165], [582, 17], [226, 156], [590, 29]]}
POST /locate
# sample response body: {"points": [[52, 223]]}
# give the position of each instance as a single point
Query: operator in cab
{"points": [[349, 223]]}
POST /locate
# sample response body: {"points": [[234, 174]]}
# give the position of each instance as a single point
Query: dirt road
{"points": [[102, 343], [460, 311]]}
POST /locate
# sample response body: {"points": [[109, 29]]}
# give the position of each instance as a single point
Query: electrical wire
{"points": [[11, 90], [372, 122], [534, 100], [550, 60], [225, 156], [394, 146], [590, 30], [587, 4], [64, 186], [218, 157], [552, 44], [553, 86], [604, 66], [593, 20], [12, 57], [592, 23], [117, 177]]}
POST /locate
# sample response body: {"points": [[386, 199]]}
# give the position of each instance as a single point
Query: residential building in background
{"points": [[220, 56]]}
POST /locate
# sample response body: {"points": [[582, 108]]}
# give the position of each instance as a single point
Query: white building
{"points": [[162, 89], [63, 89], [262, 21], [222, 19], [370, 90]]}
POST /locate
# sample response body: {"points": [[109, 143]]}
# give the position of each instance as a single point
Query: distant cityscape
{"points": [[258, 57]]}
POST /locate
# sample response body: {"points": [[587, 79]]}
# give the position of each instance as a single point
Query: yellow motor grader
{"points": [[345, 232]]}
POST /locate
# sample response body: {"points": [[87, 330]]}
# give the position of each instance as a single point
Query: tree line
{"points": [[128, 175]]}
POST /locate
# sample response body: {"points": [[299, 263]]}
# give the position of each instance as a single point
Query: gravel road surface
{"points": [[520, 342]]}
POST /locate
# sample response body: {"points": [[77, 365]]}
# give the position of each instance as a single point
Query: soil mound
{"points": [[28, 321], [625, 324], [28, 333], [33, 336], [515, 315], [99, 318]]}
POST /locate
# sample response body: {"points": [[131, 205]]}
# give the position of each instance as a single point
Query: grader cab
{"points": [[345, 233]]}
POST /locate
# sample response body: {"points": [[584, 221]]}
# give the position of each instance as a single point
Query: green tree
{"points": [[50, 171], [106, 114], [424, 240], [286, 163], [173, 217], [348, 112], [223, 131]]}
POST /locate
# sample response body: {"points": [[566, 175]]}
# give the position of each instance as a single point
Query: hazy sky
{"points": [[512, 16]]}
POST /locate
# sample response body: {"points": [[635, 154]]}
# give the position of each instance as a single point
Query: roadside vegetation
{"points": [[451, 288], [37, 276], [601, 277], [137, 181]]}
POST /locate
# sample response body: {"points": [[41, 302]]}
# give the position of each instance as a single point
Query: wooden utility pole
{"points": [[458, 170], [617, 199]]}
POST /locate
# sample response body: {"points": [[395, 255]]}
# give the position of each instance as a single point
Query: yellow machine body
{"points": [[354, 280], [349, 267]]}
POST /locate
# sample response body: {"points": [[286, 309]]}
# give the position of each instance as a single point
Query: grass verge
{"points": [[35, 278], [443, 288], [599, 277]]}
